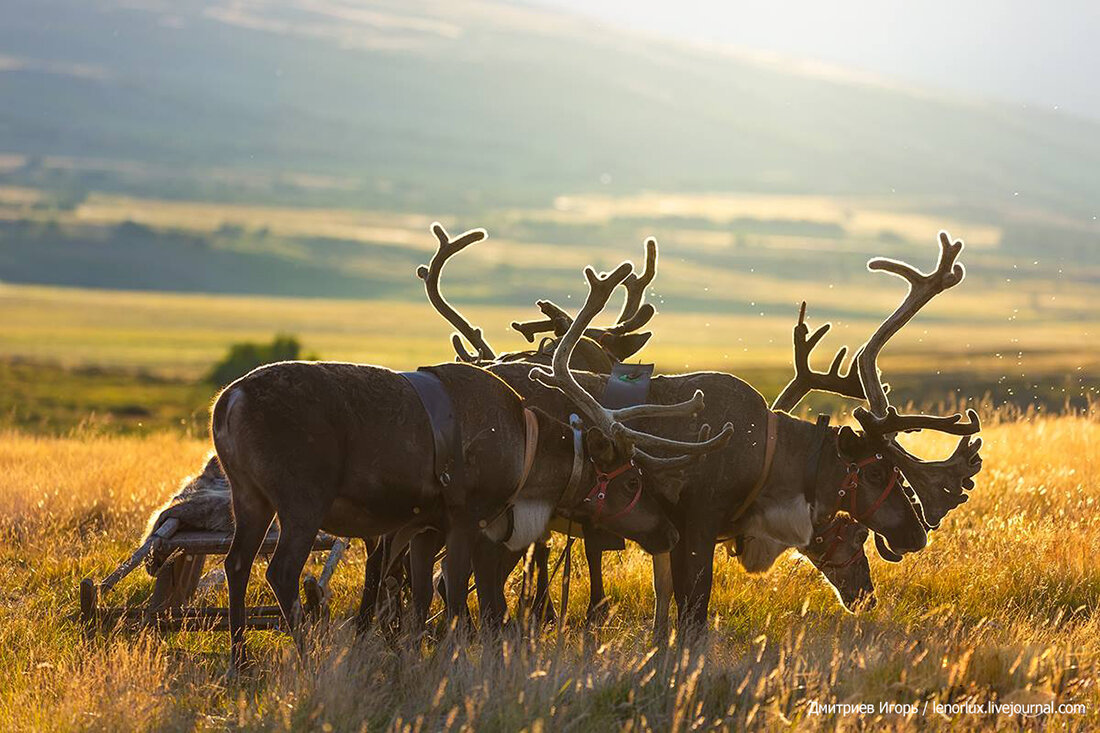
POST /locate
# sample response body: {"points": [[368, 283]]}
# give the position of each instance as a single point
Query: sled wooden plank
{"points": [[165, 530]]}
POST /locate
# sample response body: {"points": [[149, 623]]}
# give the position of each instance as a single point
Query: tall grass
{"points": [[1001, 606]]}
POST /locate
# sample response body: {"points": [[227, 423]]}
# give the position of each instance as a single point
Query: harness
{"points": [[851, 484], [769, 456], [447, 441], [821, 554], [446, 437], [835, 527], [598, 492]]}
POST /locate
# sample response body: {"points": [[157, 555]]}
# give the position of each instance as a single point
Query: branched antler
{"points": [[430, 275], [922, 288], [636, 284], [940, 485], [611, 421], [634, 314], [806, 380]]}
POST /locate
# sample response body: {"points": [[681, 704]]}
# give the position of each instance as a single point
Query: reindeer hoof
{"points": [[598, 613]]}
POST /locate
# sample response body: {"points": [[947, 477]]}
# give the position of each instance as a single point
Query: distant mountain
{"points": [[436, 105]]}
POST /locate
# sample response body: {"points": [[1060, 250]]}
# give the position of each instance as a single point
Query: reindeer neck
{"points": [[810, 457]]}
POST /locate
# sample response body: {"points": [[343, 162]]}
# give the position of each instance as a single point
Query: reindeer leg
{"points": [[422, 551], [597, 601], [461, 533], [490, 573], [662, 592], [697, 576], [372, 579], [253, 515], [544, 604], [284, 573]]}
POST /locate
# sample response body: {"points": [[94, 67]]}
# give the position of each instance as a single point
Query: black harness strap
{"points": [[445, 433], [813, 461]]}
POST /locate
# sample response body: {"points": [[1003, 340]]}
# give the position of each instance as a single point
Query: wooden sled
{"points": [[173, 546]]}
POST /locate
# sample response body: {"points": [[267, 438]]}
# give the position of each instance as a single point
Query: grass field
{"points": [[135, 357], [1001, 606]]}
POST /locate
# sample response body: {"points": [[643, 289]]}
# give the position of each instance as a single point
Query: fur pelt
{"points": [[201, 503]]}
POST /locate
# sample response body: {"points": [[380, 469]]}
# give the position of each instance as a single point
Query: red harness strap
{"points": [[838, 528], [851, 484], [599, 491]]}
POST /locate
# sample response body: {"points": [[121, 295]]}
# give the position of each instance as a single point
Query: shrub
{"points": [[245, 356]]}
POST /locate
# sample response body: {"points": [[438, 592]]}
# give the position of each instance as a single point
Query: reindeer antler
{"points": [[430, 275], [940, 485], [610, 421], [636, 284], [806, 379], [634, 314]]}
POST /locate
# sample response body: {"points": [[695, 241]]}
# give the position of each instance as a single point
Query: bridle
{"points": [[835, 533], [597, 495], [850, 487]]}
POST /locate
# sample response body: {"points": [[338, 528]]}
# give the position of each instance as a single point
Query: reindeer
{"points": [[597, 350], [342, 447], [853, 585], [818, 471]]}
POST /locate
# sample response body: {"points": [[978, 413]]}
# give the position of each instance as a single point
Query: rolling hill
{"points": [[456, 105]]}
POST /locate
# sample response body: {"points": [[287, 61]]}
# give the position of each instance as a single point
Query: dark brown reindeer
{"points": [[817, 473], [597, 350], [872, 459], [346, 448], [526, 522], [841, 537]]}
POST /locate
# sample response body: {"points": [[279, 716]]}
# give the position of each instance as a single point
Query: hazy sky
{"points": [[1043, 53]]}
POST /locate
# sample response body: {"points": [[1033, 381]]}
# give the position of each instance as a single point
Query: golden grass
{"points": [[1001, 605]]}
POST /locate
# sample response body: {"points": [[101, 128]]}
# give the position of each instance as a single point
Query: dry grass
{"points": [[1002, 606]]}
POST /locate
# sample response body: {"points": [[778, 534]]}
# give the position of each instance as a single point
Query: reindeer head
{"points": [[624, 498], [836, 550], [879, 469]]}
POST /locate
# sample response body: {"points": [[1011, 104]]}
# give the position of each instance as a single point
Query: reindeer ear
{"points": [[626, 345], [600, 448], [849, 444]]}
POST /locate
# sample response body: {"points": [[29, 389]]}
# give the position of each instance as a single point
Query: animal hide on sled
{"points": [[203, 504]]}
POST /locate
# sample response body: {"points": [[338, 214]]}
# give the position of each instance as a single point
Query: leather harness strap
{"points": [[447, 441], [769, 456], [530, 446]]}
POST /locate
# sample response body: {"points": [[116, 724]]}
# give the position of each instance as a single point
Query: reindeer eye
{"points": [[633, 483], [874, 473]]}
